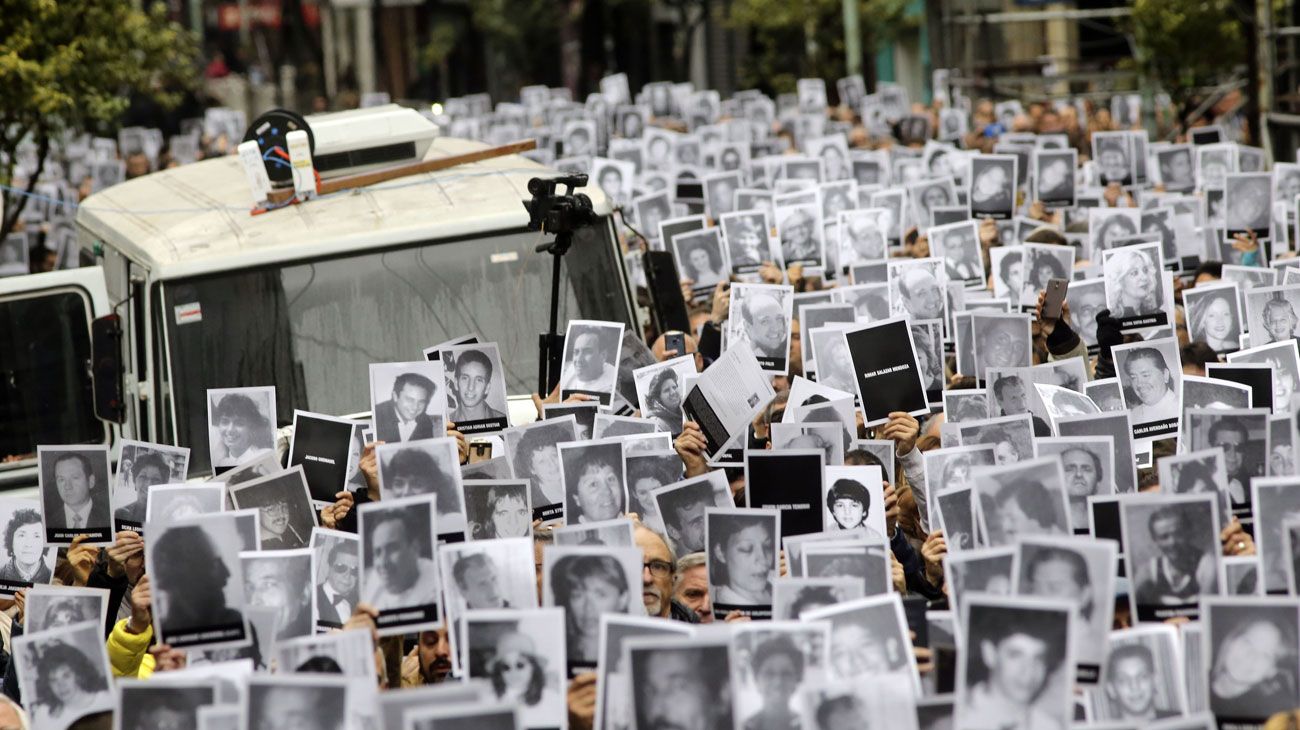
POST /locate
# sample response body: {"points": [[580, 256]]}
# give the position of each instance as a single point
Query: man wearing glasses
{"points": [[278, 532], [336, 596], [657, 578], [1231, 435]]}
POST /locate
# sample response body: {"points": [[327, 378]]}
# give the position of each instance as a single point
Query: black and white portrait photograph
{"points": [[992, 188], [589, 581], [614, 694], [618, 532], [51, 607], [958, 245], [1143, 677], [144, 705], [76, 495], [1201, 392], [1274, 313], [14, 255], [1214, 316], [1149, 374], [1194, 472], [24, 559], [927, 344], [792, 596], [1243, 435], [279, 582], [1010, 436], [651, 210], [916, 287], [578, 138], [742, 558], [311, 700], [860, 558], [336, 576], [926, 195], [595, 484], [485, 715], [772, 665], [1081, 572], [1247, 202], [799, 229], [607, 426], [141, 467], [241, 424], [1276, 503], [197, 582], [322, 445], [868, 638], [398, 573], [660, 389], [679, 682], [701, 257], [63, 674], [748, 238], [1213, 164], [1133, 290], [1171, 546], [615, 178], [1255, 633], [682, 506], [947, 470], [959, 406], [863, 236], [431, 466], [720, 192], [854, 500], [1283, 361], [983, 570], [484, 574], [1107, 226], [1021, 499], [407, 401], [1241, 572], [1053, 177], [476, 393], [886, 369], [760, 315], [1177, 171], [1043, 262], [521, 656], [893, 200], [1001, 341], [1109, 397], [1017, 669], [1112, 153], [285, 512], [830, 354], [870, 300], [591, 354], [497, 508], [533, 456], [1088, 465]]}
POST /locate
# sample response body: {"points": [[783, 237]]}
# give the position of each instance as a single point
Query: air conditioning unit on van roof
{"points": [[362, 140]]}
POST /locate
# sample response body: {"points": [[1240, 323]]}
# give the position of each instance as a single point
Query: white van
{"points": [[183, 290]]}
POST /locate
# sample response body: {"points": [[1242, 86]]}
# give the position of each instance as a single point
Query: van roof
{"points": [[194, 219]]}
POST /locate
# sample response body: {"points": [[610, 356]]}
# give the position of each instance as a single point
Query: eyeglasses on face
{"points": [[658, 568]]}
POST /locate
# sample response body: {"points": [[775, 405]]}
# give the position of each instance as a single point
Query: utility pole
{"points": [[852, 38]]}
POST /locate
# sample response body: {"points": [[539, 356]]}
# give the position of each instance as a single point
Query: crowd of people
{"points": [[1087, 514]]}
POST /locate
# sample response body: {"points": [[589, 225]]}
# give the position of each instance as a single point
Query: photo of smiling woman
{"points": [[1150, 378], [1133, 291], [241, 425], [742, 559], [1214, 316], [595, 484]]}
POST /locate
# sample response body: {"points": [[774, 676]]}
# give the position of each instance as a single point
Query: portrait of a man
{"points": [[75, 493], [405, 415], [397, 541]]}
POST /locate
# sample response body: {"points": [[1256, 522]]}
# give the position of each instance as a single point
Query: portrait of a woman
{"points": [[742, 559]]}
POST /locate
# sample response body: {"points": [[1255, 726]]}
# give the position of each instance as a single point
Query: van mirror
{"points": [[106, 367]]}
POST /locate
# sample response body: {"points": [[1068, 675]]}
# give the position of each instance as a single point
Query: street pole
{"points": [[852, 38]]}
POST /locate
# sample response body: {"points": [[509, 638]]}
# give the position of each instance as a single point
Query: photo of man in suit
{"points": [[74, 484], [336, 596], [403, 417]]}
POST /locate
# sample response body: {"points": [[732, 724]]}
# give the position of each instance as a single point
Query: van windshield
{"points": [[46, 396], [312, 329]]}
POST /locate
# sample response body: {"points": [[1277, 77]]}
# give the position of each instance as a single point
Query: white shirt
{"points": [[405, 428], [602, 383], [78, 518], [422, 592], [1161, 410]]}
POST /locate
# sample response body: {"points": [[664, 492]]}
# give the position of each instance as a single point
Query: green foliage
{"points": [[1183, 44], [72, 65], [805, 38]]}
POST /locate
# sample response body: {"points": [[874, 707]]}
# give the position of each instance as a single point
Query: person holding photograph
{"points": [[1182, 571], [66, 685], [507, 514], [778, 666], [1136, 292], [1254, 670], [398, 575], [518, 673], [1017, 661], [244, 432], [664, 398], [1131, 684], [402, 417], [1152, 385], [1213, 321], [473, 378], [742, 551], [25, 544], [588, 586]]}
